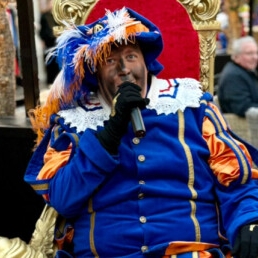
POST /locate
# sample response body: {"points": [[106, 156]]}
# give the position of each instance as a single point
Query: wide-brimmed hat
{"points": [[80, 48]]}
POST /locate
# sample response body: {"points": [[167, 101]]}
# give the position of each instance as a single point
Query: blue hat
{"points": [[80, 49]]}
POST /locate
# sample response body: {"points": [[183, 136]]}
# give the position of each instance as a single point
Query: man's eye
{"points": [[110, 61], [131, 56]]}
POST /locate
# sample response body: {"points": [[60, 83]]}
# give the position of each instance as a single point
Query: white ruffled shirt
{"points": [[164, 97]]}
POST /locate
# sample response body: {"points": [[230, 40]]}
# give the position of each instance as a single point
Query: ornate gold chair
{"points": [[194, 59], [174, 26]]}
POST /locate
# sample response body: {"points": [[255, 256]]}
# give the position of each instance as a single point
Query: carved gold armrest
{"points": [[42, 241]]}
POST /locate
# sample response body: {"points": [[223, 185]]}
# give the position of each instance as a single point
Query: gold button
{"points": [[141, 182], [144, 248], [136, 140], [143, 219], [141, 195], [141, 158]]}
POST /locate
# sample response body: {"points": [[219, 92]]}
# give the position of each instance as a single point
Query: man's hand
{"points": [[128, 97], [246, 244]]}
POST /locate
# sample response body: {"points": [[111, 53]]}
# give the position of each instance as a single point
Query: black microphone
{"points": [[136, 118], [137, 122]]}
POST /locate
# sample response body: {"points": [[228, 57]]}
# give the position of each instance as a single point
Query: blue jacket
{"points": [[158, 190]]}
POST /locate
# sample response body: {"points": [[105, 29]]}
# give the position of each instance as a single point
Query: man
{"points": [[183, 188], [238, 83]]}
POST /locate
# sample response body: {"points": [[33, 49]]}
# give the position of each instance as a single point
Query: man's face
{"points": [[248, 57], [125, 63]]}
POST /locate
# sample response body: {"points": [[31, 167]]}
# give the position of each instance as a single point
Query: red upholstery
{"points": [[180, 56]]}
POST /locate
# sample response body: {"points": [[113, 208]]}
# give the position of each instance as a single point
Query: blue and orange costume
{"points": [[184, 189]]}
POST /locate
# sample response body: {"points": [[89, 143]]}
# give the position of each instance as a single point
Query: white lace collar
{"points": [[166, 96]]}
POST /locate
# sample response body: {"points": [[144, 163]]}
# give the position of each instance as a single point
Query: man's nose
{"points": [[123, 67]]}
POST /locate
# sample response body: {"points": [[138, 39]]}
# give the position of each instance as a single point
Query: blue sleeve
{"points": [[238, 202], [238, 206], [74, 183]]}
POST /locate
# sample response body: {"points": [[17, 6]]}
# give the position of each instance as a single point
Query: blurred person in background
{"points": [[46, 34], [222, 36], [238, 83]]}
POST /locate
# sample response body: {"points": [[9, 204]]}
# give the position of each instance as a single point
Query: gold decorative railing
{"points": [[71, 12], [203, 16]]}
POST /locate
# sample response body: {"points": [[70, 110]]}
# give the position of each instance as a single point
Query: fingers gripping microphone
{"points": [[136, 119], [137, 122]]}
